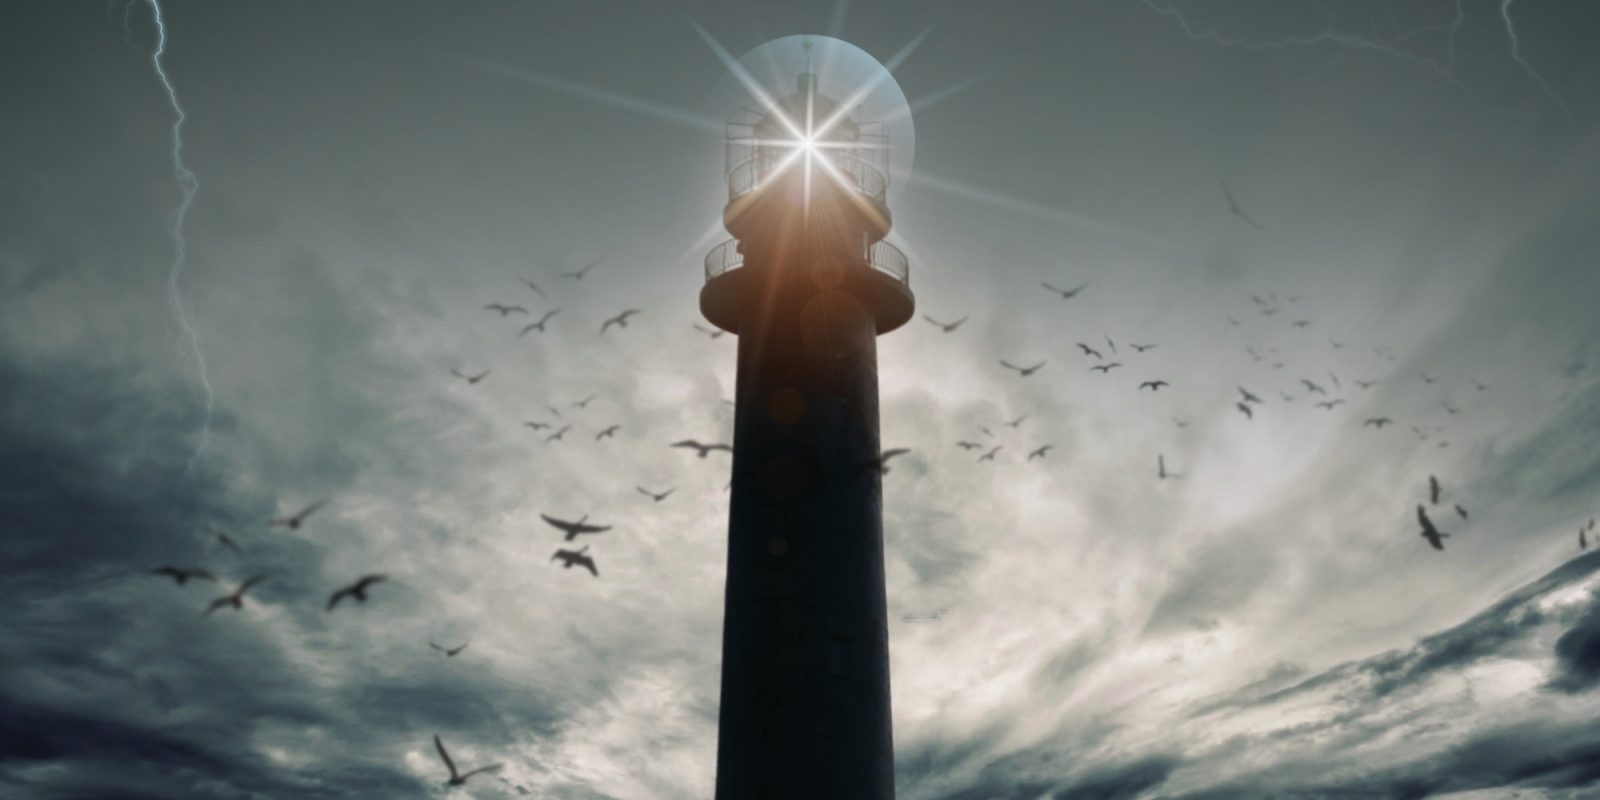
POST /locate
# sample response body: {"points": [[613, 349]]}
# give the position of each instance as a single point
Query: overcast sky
{"points": [[1425, 182]]}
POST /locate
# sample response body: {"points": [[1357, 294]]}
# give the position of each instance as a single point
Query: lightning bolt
{"points": [[189, 185], [1516, 54]]}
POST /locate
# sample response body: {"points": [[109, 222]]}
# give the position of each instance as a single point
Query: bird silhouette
{"points": [[1040, 451], [1337, 345], [182, 575], [1143, 347], [947, 327], [470, 379], [505, 310], [608, 432], [1023, 371], [620, 320], [654, 496], [1232, 321], [1161, 468], [1378, 422], [558, 435], [458, 778], [1461, 511], [1366, 384], [1154, 386], [1180, 422], [1311, 386], [356, 591], [1110, 344], [715, 333], [533, 286], [571, 558], [1433, 490], [574, 529], [227, 541], [1245, 410], [449, 652], [1090, 351], [1248, 397], [1233, 206], [1013, 424], [578, 274], [1066, 294], [1105, 367], [294, 521], [553, 410], [584, 403], [881, 463], [1329, 404], [969, 445], [1426, 378], [1429, 532], [539, 326], [1450, 409], [538, 426], [1287, 398], [702, 449], [235, 600], [1479, 385], [989, 456], [1301, 323], [1583, 538]]}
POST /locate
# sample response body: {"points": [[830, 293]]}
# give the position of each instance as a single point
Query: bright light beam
{"points": [[1035, 210], [605, 97], [189, 185]]}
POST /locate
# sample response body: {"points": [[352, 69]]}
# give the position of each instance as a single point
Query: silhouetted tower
{"points": [[807, 285]]}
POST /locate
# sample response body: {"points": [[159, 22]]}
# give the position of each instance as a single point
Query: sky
{"points": [[1421, 182]]}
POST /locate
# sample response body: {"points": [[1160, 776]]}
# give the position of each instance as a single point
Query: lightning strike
{"points": [[1527, 69]]}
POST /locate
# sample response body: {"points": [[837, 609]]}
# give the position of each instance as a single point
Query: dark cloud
{"points": [[1578, 653]]}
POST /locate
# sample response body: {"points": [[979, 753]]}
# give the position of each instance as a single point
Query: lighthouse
{"points": [[807, 284]]}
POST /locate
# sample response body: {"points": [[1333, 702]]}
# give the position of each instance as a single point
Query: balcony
{"points": [[881, 257]]}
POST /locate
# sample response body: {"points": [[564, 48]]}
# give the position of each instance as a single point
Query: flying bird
{"points": [[947, 327], [1233, 206], [294, 521], [1154, 386], [1378, 422], [1023, 371], [356, 591], [607, 433], [470, 379], [235, 600], [1245, 410], [1461, 511], [1040, 452], [1248, 397], [505, 310], [1143, 347], [571, 558], [715, 333], [578, 274], [1426, 378], [989, 456], [584, 403], [449, 652], [1429, 532], [654, 496], [539, 326], [538, 426], [1090, 351], [1311, 386], [1301, 323], [969, 445], [1016, 422], [1329, 404], [533, 286], [882, 461], [558, 435], [458, 778], [1433, 490], [702, 449], [1110, 344], [1479, 385], [182, 575], [1287, 398], [1366, 384], [1161, 468], [574, 529], [1583, 538], [620, 320], [1066, 294], [227, 541], [1106, 368]]}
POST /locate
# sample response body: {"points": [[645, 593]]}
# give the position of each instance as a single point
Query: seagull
{"points": [[558, 435], [458, 778], [1245, 410], [1233, 206], [1105, 367], [533, 286], [1040, 452], [1311, 386], [1161, 468], [1450, 409], [653, 496], [1335, 379], [1337, 345], [574, 529], [570, 558], [505, 310], [620, 320], [1378, 422], [1461, 511], [449, 652], [715, 333], [1023, 371], [1016, 422], [989, 456], [182, 575], [1287, 398], [1110, 344], [1301, 323], [1154, 386], [584, 270], [607, 433], [227, 541], [1248, 397], [882, 461], [702, 449], [1479, 385], [1366, 384], [554, 410], [1090, 351], [969, 445], [470, 379], [539, 326], [1583, 538], [1425, 378], [1232, 321], [1329, 404], [584, 403], [1066, 294], [1429, 532], [1143, 347], [293, 522], [357, 590], [947, 327], [235, 600], [1433, 490], [1180, 422], [538, 426]]}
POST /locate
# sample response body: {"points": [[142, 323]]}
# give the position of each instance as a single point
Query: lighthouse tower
{"points": [[807, 284]]}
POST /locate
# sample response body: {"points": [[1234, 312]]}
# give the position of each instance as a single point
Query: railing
{"points": [[881, 256], [749, 174]]}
